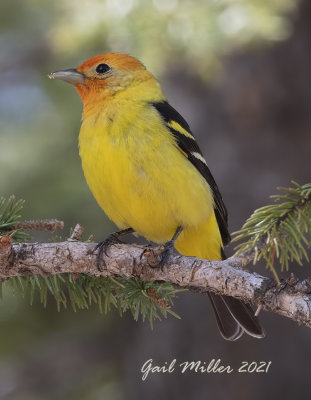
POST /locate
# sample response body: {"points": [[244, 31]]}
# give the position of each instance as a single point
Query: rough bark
{"points": [[291, 299]]}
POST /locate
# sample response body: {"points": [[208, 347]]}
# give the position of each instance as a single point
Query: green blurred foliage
{"points": [[40, 119], [40, 122]]}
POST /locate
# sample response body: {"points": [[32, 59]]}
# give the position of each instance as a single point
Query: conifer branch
{"points": [[280, 231], [129, 277], [292, 298], [38, 225]]}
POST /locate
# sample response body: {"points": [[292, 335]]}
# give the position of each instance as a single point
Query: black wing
{"points": [[189, 147]]}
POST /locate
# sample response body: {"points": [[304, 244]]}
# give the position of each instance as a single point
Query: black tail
{"points": [[235, 317], [228, 327]]}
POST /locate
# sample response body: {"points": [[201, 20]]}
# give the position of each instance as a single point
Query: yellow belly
{"points": [[142, 181]]}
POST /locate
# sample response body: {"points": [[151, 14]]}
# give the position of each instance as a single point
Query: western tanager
{"points": [[147, 172]]}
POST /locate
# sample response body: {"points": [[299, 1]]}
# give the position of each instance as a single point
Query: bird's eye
{"points": [[102, 68]]}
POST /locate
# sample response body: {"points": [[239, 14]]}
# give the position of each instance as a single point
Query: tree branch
{"points": [[37, 225], [292, 298]]}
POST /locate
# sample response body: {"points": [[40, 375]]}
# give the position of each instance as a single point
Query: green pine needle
{"points": [[10, 214], [148, 300], [283, 229]]}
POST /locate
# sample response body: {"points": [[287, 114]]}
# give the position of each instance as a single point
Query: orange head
{"points": [[104, 75]]}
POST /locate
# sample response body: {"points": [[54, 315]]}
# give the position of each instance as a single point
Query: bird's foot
{"points": [[158, 256], [167, 252], [102, 247], [169, 247]]}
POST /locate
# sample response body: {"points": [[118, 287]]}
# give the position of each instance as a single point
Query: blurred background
{"points": [[239, 72]]}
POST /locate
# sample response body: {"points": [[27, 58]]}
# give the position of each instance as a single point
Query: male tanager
{"points": [[147, 172]]}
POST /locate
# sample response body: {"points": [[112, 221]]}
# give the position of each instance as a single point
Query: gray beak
{"points": [[68, 75]]}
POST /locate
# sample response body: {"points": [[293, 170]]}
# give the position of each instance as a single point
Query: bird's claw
{"points": [[167, 253], [158, 256], [103, 246]]}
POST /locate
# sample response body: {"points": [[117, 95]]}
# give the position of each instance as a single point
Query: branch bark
{"points": [[291, 299]]}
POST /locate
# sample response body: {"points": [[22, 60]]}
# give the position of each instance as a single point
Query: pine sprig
{"points": [[280, 231], [10, 214], [150, 300]]}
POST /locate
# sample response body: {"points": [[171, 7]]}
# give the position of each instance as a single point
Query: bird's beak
{"points": [[68, 75]]}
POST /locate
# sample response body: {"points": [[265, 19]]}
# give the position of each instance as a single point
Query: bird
{"points": [[145, 169]]}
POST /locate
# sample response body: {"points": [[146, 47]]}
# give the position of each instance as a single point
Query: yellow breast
{"points": [[138, 176]]}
